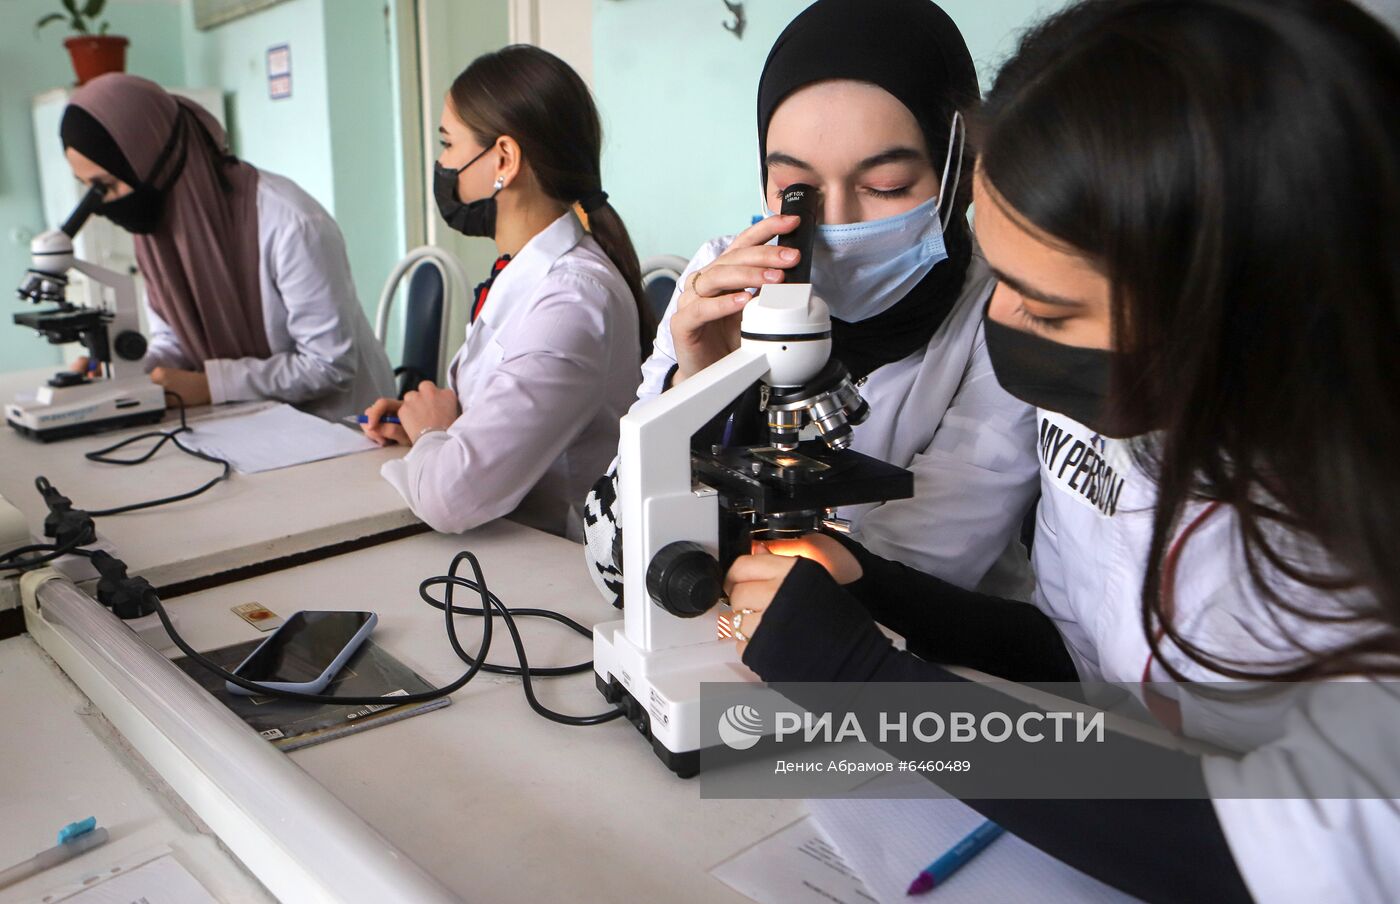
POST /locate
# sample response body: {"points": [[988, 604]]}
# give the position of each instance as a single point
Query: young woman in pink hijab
{"points": [[247, 279]]}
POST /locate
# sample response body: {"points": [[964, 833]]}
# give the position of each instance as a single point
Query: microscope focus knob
{"points": [[684, 579], [129, 345]]}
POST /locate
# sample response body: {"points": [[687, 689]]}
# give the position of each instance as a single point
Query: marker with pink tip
{"points": [[937, 872]]}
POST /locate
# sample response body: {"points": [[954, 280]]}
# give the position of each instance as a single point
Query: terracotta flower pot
{"points": [[95, 55]]}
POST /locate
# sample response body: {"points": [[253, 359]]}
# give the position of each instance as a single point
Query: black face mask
{"points": [[137, 213], [140, 212], [1056, 377], [477, 218]]}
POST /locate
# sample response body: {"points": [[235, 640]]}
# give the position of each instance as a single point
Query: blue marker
{"points": [[937, 872], [386, 419]]}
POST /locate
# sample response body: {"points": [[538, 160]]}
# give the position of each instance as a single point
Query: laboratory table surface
{"points": [[244, 522], [496, 802], [62, 761]]}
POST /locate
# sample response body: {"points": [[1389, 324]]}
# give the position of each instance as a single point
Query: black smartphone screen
{"points": [[304, 647]]}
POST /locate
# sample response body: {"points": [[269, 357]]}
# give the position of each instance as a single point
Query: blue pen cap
{"points": [[75, 829]]}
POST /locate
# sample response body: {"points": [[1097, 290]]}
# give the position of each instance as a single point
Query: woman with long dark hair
{"points": [[1191, 206], [557, 331]]}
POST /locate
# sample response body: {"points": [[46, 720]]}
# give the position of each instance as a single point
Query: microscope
{"points": [[688, 508], [116, 391]]}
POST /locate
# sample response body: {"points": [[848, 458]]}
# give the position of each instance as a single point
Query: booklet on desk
{"points": [[279, 436], [290, 724]]}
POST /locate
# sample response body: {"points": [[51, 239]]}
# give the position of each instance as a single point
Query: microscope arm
{"points": [[124, 313], [658, 501]]}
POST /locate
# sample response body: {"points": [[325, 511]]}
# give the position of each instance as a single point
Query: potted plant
{"points": [[94, 52]]}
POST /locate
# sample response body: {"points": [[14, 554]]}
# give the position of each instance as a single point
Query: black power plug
{"points": [[126, 596]]}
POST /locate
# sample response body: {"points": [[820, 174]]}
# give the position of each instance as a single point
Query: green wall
{"points": [[678, 95], [30, 64], [336, 135]]}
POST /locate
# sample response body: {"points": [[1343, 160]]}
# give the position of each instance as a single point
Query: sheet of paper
{"points": [[887, 843], [272, 438], [794, 866], [159, 881]]}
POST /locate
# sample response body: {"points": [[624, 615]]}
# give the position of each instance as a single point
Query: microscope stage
{"points": [[813, 477]]}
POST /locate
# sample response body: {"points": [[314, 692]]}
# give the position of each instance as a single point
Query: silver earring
{"points": [[500, 182]]}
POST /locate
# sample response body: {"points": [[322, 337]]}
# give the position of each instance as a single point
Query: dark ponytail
{"points": [[540, 101]]}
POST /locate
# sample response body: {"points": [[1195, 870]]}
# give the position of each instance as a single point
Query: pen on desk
{"points": [[937, 872], [73, 839], [364, 419]]}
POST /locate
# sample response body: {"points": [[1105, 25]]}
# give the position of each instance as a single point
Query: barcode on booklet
{"points": [[376, 707]]}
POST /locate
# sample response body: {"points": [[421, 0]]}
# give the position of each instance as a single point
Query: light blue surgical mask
{"points": [[863, 269]]}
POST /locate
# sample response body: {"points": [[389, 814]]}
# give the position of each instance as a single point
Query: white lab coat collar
{"points": [[529, 266]]}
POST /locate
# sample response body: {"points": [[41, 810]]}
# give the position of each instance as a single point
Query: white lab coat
{"points": [[546, 372], [941, 413], [1093, 530], [325, 359]]}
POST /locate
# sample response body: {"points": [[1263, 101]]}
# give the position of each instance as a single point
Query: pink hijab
{"points": [[201, 262]]}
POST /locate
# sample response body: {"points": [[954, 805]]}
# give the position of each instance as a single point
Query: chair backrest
{"points": [[659, 277], [422, 329]]}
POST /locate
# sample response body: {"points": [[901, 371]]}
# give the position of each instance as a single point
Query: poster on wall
{"points": [[208, 13], [279, 72]]}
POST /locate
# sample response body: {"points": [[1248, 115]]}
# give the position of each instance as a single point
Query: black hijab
{"points": [[913, 50]]}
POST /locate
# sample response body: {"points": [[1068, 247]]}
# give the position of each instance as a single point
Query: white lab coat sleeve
{"points": [[312, 274], [163, 348], [973, 484], [526, 412], [1314, 816], [663, 351]]}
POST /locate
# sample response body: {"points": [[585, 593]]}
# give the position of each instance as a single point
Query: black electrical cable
{"points": [[50, 552], [524, 670], [166, 436], [56, 503], [490, 608]]}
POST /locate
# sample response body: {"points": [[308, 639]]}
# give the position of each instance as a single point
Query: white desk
{"points": [[244, 521], [61, 761], [494, 801]]}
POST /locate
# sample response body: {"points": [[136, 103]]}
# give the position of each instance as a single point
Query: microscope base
{"points": [[93, 407], [659, 690]]}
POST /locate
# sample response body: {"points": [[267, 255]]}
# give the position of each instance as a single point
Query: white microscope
{"points": [[116, 391], [687, 512]]}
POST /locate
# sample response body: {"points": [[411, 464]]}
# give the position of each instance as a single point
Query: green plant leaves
{"points": [[51, 17], [78, 19]]}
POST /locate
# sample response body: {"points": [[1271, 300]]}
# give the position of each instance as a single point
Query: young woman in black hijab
{"points": [[864, 101]]}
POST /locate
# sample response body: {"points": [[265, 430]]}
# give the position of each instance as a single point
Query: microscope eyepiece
{"points": [[800, 200], [89, 203]]}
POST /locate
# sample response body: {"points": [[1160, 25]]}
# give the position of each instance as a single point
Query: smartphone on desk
{"points": [[306, 652]]}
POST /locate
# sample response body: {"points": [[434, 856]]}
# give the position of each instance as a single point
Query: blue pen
{"points": [[73, 839], [937, 872], [387, 419]]}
